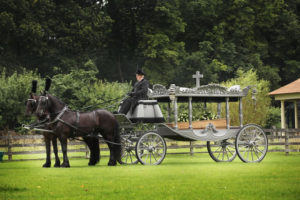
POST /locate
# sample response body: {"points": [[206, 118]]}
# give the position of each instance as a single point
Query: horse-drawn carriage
{"points": [[143, 131], [249, 142]]}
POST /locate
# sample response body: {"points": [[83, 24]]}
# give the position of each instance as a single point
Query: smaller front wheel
{"points": [[151, 149], [128, 150], [222, 151]]}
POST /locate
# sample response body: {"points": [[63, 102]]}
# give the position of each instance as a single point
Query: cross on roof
{"points": [[197, 76]]}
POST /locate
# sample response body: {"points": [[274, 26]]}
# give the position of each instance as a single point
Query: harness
{"points": [[58, 119]]}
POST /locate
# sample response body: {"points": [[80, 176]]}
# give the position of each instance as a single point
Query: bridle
{"points": [[33, 104], [42, 105]]}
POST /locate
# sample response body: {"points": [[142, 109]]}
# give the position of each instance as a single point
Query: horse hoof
{"points": [[112, 163], [65, 166], [57, 165], [47, 165], [92, 163]]}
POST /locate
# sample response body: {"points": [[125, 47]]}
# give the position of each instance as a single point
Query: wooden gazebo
{"points": [[288, 93]]}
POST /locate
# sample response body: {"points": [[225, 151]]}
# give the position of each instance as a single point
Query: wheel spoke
{"points": [[226, 154], [217, 149], [154, 156], [229, 151], [256, 153]]}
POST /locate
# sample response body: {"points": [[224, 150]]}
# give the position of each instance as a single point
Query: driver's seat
{"points": [[147, 111]]}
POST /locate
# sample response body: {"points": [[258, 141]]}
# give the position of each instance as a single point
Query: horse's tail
{"points": [[117, 139]]}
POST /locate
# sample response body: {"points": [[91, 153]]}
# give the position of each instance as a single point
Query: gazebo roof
{"points": [[293, 87]]}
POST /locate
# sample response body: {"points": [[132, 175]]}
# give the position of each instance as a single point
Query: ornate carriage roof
{"points": [[205, 93]]}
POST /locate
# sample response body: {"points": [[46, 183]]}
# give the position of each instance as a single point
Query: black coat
{"points": [[139, 92]]}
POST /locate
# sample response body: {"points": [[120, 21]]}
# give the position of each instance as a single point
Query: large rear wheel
{"points": [[251, 143]]}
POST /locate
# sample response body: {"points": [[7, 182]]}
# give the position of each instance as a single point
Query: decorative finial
{"points": [[197, 76]]}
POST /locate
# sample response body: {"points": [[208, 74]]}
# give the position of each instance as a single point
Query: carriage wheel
{"points": [[251, 143], [222, 151], [128, 150], [151, 149]]}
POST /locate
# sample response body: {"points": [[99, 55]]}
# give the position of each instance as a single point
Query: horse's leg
{"points": [[48, 151], [93, 144], [112, 160], [54, 143], [64, 142]]}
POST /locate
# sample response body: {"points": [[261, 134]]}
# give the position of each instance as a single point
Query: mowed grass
{"points": [[178, 177]]}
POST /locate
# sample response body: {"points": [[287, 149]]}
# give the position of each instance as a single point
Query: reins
{"points": [[103, 103]]}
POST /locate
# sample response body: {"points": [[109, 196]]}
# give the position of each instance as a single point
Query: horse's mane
{"points": [[57, 99]]}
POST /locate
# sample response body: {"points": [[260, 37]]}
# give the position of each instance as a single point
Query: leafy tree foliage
{"points": [[256, 104], [80, 90], [44, 34], [169, 39], [78, 42]]}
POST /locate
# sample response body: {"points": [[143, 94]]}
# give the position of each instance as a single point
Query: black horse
{"points": [[92, 142], [70, 124]]}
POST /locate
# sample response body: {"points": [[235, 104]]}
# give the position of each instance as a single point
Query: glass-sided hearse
{"points": [[224, 142]]}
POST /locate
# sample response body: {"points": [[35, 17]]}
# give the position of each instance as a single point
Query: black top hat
{"points": [[140, 72]]}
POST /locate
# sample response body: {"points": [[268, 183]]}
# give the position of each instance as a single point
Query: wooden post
{"points": [[282, 115], [296, 113], [86, 151], [286, 143], [9, 145], [191, 148]]}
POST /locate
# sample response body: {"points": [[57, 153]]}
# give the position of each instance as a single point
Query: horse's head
{"points": [[42, 109], [31, 102]]}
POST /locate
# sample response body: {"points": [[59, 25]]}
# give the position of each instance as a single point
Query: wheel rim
{"points": [[151, 149], [251, 144], [222, 151], [128, 150]]}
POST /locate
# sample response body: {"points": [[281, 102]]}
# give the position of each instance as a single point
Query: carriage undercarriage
{"points": [[149, 146]]}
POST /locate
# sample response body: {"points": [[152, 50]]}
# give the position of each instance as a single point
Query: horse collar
{"points": [[57, 118]]}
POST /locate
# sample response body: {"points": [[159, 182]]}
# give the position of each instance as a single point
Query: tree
{"points": [[44, 34], [159, 44]]}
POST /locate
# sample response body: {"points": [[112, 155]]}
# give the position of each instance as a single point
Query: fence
{"points": [[280, 140]]}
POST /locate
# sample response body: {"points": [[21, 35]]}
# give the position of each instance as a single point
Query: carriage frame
{"points": [[148, 146]]}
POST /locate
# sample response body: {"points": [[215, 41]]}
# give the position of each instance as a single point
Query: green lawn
{"points": [[178, 177]]}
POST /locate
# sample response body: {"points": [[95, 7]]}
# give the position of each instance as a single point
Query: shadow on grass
{"points": [[11, 189]]}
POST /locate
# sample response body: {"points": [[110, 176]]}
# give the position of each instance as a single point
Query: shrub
{"points": [[254, 111], [273, 118], [14, 90], [79, 89]]}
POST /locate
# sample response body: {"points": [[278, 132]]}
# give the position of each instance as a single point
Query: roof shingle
{"points": [[293, 87]]}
